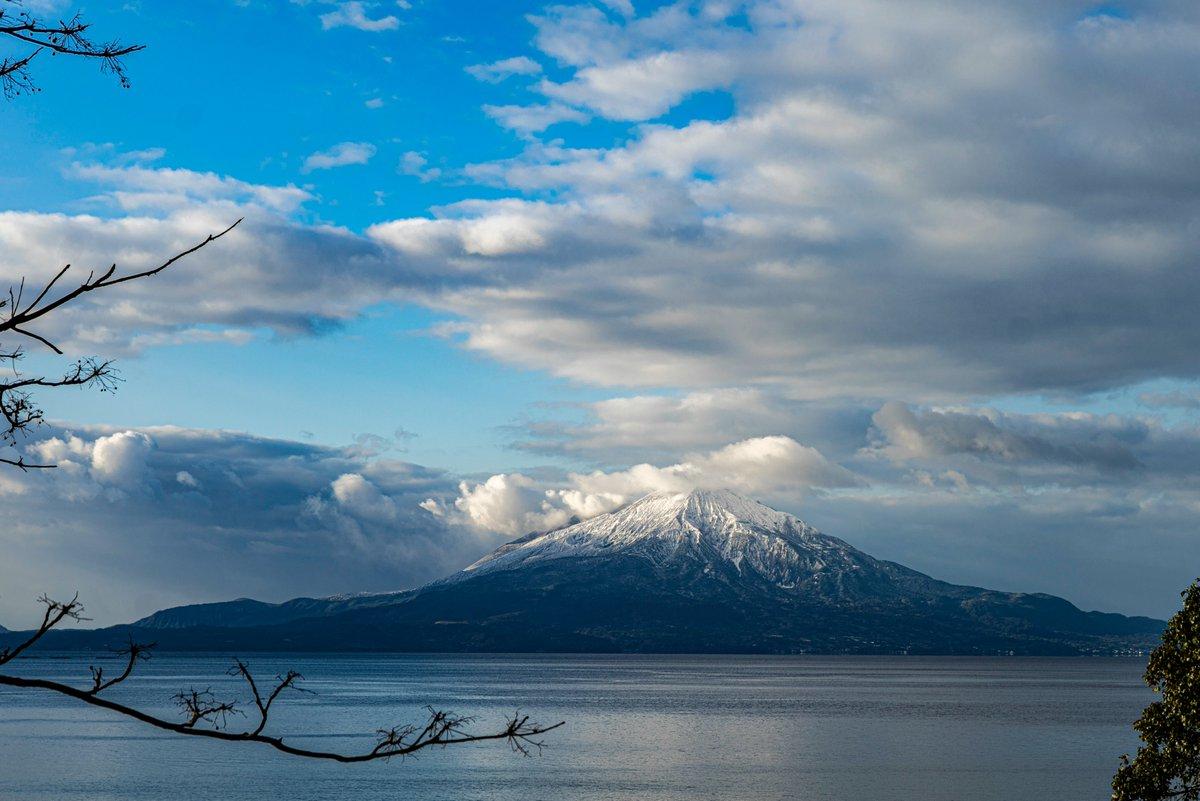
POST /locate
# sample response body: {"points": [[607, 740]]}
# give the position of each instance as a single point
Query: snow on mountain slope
{"points": [[718, 529]]}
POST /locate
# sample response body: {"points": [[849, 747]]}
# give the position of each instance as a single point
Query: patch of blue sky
{"points": [[1176, 402], [381, 372]]}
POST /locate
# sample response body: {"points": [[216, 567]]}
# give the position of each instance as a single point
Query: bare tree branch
{"points": [[56, 612], [135, 652], [20, 317], [18, 410], [64, 37], [206, 715]]}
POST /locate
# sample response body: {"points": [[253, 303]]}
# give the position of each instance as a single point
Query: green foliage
{"points": [[1168, 764]]}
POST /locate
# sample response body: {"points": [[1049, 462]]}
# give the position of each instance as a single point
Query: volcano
{"points": [[696, 572]]}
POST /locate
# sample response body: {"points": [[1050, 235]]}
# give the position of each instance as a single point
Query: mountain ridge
{"points": [[705, 571]]}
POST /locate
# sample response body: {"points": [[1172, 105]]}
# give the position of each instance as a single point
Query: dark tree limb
{"points": [[206, 715], [56, 612], [19, 317], [134, 652], [63, 37], [18, 411]]}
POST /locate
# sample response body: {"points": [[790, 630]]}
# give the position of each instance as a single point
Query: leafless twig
{"points": [[65, 37], [206, 715], [18, 411]]}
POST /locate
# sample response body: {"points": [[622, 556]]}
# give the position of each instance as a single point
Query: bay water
{"points": [[637, 727]]}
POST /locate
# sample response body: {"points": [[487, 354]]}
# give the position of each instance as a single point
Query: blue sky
{"points": [[251, 90], [227, 88], [923, 275]]}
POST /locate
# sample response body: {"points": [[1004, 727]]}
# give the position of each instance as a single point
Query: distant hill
{"points": [[701, 572], [246, 612]]}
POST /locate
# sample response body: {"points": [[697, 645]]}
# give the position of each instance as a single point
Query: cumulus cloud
{"points": [[269, 518], [417, 165], [516, 504], [340, 155], [643, 88], [120, 459], [187, 479], [497, 71], [534, 118], [987, 434], [903, 203], [615, 428], [1046, 454], [273, 272], [355, 14], [360, 497], [510, 504], [138, 188]]}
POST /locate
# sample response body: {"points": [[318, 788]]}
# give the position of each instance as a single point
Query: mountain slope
{"points": [[248, 613], [729, 538], [690, 572]]}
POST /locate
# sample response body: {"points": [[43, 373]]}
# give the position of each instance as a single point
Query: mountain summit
{"points": [[721, 534], [716, 527], [701, 572]]}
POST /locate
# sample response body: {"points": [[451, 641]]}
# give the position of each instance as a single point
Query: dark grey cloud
{"points": [[1098, 508], [910, 200], [662, 428], [1106, 444], [1173, 399], [140, 519], [1130, 551], [1031, 450]]}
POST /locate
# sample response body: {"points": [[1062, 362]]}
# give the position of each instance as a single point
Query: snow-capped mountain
{"points": [[719, 532], [705, 571], [719, 528]]}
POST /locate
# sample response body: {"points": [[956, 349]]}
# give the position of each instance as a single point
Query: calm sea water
{"points": [[657, 728]]}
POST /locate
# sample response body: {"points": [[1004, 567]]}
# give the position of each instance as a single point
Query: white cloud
{"points": [[355, 14], [1075, 439], [902, 202], [164, 188], [264, 517], [511, 504], [119, 460], [514, 504], [534, 118], [340, 155], [272, 272], [662, 423], [643, 88], [360, 497], [417, 165], [497, 71], [187, 479]]}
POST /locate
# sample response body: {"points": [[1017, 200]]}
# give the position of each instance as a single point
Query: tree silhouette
{"points": [[34, 35], [203, 713], [18, 409], [1167, 765], [206, 715]]}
